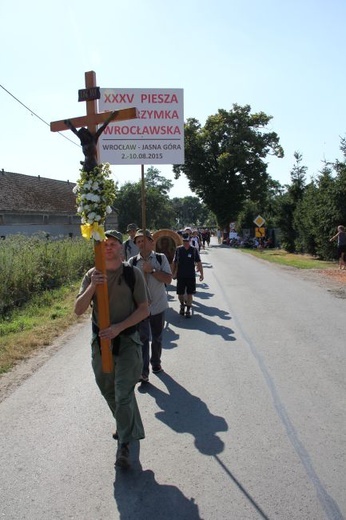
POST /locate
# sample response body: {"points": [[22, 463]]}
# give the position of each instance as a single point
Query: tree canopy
{"points": [[225, 159], [161, 211]]}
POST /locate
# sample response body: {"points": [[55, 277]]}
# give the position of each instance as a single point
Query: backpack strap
{"points": [[129, 276], [135, 260], [127, 247]]}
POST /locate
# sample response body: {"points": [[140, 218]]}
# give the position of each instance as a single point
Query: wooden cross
{"points": [[91, 121]]}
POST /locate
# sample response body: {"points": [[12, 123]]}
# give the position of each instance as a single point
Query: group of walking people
{"points": [[136, 277]]}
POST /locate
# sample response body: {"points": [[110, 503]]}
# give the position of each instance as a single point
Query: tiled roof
{"points": [[24, 193]]}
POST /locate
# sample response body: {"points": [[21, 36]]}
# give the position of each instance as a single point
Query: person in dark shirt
{"points": [[185, 259]]}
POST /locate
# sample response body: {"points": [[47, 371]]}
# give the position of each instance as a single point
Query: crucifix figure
{"points": [[88, 135], [88, 132], [88, 141]]}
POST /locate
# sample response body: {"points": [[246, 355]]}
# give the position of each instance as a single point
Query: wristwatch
{"points": [[153, 271]]}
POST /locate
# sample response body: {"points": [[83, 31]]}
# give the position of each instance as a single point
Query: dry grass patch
{"points": [[36, 325]]}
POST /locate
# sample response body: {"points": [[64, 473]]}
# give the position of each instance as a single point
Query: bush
{"points": [[31, 265]]}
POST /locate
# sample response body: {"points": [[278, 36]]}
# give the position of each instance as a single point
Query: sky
{"points": [[286, 58]]}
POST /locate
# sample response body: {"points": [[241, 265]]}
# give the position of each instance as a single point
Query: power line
{"points": [[36, 115]]}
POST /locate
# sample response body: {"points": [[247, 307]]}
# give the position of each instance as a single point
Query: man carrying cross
{"points": [[117, 307], [128, 306]]}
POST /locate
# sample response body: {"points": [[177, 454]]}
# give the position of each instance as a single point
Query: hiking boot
{"points": [[157, 369], [188, 312], [123, 456], [182, 310]]}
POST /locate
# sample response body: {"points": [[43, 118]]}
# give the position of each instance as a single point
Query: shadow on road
{"points": [[136, 492], [187, 413], [139, 495], [198, 322]]}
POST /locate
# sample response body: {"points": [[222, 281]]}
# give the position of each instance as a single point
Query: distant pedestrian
{"points": [[219, 234], [185, 259], [130, 248], [341, 236], [206, 237], [195, 240]]}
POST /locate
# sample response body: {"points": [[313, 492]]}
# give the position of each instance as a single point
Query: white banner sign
{"points": [[156, 137]]}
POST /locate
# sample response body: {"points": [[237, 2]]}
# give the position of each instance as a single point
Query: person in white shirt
{"points": [[157, 273]]}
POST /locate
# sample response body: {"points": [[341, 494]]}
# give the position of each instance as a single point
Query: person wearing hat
{"points": [[130, 248], [185, 259], [157, 272], [128, 306]]}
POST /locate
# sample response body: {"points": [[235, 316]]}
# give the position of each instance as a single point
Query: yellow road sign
{"points": [[259, 221], [260, 232]]}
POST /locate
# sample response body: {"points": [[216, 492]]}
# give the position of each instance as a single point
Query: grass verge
{"points": [[36, 324], [279, 256]]}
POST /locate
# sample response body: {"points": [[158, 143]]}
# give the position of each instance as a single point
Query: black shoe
{"points": [[115, 436], [188, 312], [182, 310], [157, 369], [123, 456], [143, 379]]}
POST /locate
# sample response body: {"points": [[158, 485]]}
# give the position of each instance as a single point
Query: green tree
{"points": [[340, 168], [128, 204], [159, 208], [317, 214], [247, 215], [288, 204], [153, 179], [325, 212], [225, 159], [268, 208], [304, 217], [190, 211]]}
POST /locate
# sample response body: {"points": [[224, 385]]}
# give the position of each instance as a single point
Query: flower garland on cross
{"points": [[95, 191], [95, 194]]}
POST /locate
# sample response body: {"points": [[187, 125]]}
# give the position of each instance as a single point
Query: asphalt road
{"points": [[247, 422]]}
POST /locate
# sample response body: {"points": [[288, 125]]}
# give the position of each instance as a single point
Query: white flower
{"points": [[94, 197], [91, 216]]}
